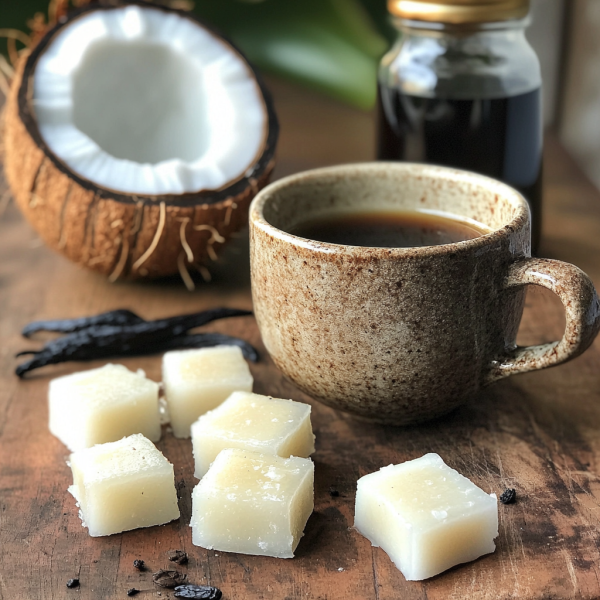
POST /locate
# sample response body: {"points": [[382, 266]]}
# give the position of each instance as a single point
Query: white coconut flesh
{"points": [[142, 101]]}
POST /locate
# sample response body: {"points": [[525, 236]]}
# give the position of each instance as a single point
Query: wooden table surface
{"points": [[537, 432]]}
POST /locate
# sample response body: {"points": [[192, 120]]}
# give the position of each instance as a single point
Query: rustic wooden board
{"points": [[536, 432]]}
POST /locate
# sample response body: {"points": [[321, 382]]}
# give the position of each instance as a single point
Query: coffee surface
{"points": [[388, 229]]}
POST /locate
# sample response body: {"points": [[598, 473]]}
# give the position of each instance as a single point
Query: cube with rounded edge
{"points": [[197, 381], [123, 485], [426, 516], [253, 422], [253, 503], [103, 405]]}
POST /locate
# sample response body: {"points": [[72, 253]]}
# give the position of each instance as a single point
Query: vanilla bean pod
{"points": [[113, 317], [195, 340], [147, 337]]}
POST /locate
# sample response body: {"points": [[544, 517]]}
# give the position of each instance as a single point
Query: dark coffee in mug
{"points": [[389, 229]]}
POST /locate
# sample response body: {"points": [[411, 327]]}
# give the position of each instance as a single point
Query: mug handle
{"points": [[578, 295]]}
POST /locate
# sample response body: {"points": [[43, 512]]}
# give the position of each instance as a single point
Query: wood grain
{"points": [[537, 432]]}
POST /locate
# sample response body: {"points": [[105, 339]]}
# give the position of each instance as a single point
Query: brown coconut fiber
{"points": [[121, 236]]}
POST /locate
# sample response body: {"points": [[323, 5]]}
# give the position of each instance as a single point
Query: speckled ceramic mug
{"points": [[403, 335]]}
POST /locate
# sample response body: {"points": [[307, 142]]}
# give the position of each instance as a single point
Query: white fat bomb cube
{"points": [[197, 381], [253, 503], [253, 422], [123, 485], [103, 405], [426, 516]]}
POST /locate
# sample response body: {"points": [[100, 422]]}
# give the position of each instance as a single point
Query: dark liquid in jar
{"points": [[501, 138], [388, 229]]}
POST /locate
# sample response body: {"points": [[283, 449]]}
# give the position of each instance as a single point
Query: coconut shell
{"points": [[122, 236]]}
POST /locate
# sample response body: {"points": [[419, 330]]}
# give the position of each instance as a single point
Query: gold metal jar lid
{"points": [[458, 12]]}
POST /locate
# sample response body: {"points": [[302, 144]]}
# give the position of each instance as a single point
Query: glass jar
{"points": [[462, 88]]}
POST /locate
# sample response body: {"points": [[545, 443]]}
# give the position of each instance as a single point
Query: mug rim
{"points": [[520, 220]]}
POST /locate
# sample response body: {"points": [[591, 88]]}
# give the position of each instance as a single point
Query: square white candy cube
{"points": [[426, 516], [123, 485], [253, 422], [253, 503], [103, 405], [197, 381]]}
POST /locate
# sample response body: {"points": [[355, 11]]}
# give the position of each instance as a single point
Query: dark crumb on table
{"points": [[168, 578], [508, 496], [73, 583], [139, 564], [333, 492], [132, 591], [178, 556]]}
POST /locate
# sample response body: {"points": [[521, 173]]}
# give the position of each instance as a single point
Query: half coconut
{"points": [[135, 139]]}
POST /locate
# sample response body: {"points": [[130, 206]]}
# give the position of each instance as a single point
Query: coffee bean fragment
{"points": [[132, 591], [168, 578], [333, 492], [198, 592], [139, 564], [508, 496], [73, 583], [178, 556]]}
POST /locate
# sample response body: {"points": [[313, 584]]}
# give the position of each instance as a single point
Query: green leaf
{"points": [[315, 57], [382, 19], [330, 45]]}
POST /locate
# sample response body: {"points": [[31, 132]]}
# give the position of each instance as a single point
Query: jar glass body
{"points": [[467, 97]]}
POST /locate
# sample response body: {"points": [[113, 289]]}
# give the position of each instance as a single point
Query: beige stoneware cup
{"points": [[403, 335]]}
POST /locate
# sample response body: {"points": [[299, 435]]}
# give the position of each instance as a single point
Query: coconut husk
{"points": [[119, 235]]}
